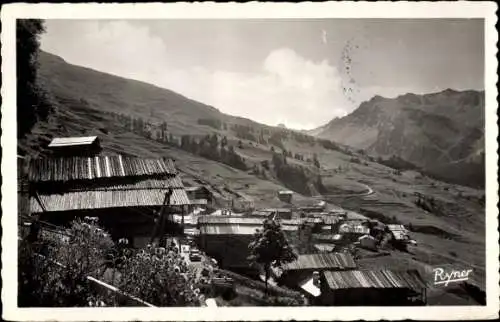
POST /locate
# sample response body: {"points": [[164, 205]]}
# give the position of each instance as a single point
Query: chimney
{"points": [[316, 280]]}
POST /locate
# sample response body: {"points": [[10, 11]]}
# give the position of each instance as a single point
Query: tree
{"points": [[214, 141], [32, 100], [224, 141], [316, 161], [270, 248], [240, 144], [163, 129]]}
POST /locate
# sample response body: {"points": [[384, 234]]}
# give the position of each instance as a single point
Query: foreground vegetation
{"points": [[54, 269]]}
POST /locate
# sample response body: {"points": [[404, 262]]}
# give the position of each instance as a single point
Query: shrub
{"points": [[53, 270], [161, 277]]}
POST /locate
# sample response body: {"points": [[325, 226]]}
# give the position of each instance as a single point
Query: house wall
{"points": [[230, 251]]}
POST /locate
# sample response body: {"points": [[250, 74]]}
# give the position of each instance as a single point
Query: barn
{"points": [[375, 287], [125, 193]]}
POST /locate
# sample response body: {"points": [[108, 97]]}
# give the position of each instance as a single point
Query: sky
{"points": [[298, 72]]}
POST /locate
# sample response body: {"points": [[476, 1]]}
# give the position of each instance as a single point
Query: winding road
{"points": [[369, 191]]}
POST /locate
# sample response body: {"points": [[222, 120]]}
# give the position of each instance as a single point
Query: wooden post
{"points": [[160, 220], [182, 215], [37, 197]]}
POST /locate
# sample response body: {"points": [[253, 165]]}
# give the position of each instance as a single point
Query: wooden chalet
{"points": [[125, 193], [372, 287]]}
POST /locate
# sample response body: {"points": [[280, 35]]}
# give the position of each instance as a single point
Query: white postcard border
{"points": [[345, 9]]}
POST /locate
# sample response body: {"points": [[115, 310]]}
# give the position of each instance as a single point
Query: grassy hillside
{"points": [[92, 103], [443, 133]]}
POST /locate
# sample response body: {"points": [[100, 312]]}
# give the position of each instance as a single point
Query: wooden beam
{"points": [[159, 227], [37, 197]]}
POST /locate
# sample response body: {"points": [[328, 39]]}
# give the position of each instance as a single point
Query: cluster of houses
{"points": [[128, 194]]}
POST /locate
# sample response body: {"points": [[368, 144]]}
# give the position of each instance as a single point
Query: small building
{"points": [[368, 242], [353, 230], [125, 193], [377, 287], [75, 146], [285, 196], [398, 232], [200, 196], [338, 240], [399, 236]]}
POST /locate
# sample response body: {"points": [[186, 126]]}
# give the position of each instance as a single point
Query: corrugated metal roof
{"points": [[322, 261], [400, 235], [356, 229], [230, 220], [83, 168], [374, 279], [83, 140], [324, 247], [78, 200], [396, 227]]}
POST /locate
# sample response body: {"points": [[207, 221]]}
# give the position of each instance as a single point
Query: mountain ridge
{"points": [[430, 130]]}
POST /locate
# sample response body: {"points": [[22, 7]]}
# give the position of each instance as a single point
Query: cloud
{"points": [[288, 88]]}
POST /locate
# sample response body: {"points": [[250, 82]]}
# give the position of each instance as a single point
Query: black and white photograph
{"points": [[321, 162]]}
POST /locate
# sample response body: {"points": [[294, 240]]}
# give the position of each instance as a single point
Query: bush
{"points": [[329, 145], [355, 160], [161, 277], [53, 270], [244, 132]]}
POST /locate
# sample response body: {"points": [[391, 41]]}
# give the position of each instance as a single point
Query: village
{"points": [[147, 203]]}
